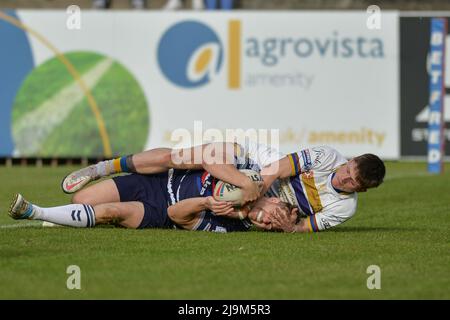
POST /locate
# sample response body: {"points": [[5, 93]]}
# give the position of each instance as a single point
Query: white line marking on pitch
{"points": [[21, 225]]}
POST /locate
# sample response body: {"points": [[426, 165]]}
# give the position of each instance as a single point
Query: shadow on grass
{"points": [[374, 229]]}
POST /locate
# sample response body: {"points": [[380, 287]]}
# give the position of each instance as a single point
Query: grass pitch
{"points": [[403, 227]]}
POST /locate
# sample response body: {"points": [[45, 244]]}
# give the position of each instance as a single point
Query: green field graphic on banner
{"points": [[51, 115]]}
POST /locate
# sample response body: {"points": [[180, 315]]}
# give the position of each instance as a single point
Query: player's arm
{"points": [[317, 158], [273, 163], [216, 158], [282, 221], [219, 161], [323, 158], [276, 170], [186, 213]]}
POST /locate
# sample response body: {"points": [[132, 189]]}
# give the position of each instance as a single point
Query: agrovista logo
{"points": [[190, 54]]}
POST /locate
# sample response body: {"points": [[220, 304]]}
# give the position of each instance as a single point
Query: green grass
{"points": [[403, 227]]}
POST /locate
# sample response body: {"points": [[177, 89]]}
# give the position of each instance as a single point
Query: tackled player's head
{"points": [[264, 208]]}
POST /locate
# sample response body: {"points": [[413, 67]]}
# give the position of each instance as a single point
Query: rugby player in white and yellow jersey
{"points": [[323, 185]]}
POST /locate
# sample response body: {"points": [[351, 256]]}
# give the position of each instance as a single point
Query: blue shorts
{"points": [[210, 222], [151, 191]]}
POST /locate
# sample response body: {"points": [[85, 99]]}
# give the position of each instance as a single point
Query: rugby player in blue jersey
{"points": [[149, 201]]}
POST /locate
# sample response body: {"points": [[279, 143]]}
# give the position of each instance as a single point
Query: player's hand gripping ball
{"points": [[225, 191]]}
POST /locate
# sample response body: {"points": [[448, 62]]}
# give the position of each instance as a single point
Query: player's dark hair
{"points": [[371, 171]]}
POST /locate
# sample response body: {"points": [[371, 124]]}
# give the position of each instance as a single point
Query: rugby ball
{"points": [[224, 191]]}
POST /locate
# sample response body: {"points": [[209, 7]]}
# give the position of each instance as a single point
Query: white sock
{"points": [[108, 167], [72, 215]]}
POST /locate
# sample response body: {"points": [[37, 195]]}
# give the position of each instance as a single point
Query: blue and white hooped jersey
{"points": [[186, 184]]}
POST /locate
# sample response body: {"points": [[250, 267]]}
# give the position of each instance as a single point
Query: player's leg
{"points": [[149, 162], [130, 190], [127, 214], [154, 161], [103, 192]]}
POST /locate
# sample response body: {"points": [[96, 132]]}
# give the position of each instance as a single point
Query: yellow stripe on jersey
{"points": [[295, 164], [291, 160], [308, 221], [311, 192]]}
